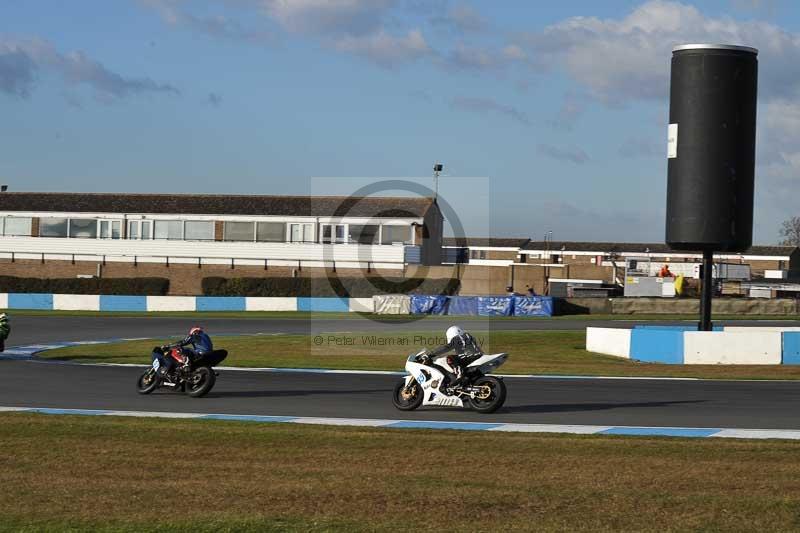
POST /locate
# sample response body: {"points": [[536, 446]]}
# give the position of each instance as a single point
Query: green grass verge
{"points": [[532, 352], [89, 473]]}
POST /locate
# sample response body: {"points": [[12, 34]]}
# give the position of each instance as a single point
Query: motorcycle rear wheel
{"points": [[496, 398], [407, 398], [200, 382], [147, 382]]}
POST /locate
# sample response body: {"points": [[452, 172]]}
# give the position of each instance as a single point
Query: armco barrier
{"points": [[123, 303], [745, 348], [336, 305], [76, 302], [275, 303], [171, 303], [221, 303], [30, 301], [609, 341]]}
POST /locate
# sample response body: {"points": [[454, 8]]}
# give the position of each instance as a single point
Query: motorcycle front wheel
{"points": [[493, 397], [407, 398], [200, 382], [147, 382]]}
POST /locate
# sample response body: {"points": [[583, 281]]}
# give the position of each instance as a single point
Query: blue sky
{"points": [[558, 109]]}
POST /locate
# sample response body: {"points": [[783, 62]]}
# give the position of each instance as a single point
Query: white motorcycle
{"points": [[426, 384]]}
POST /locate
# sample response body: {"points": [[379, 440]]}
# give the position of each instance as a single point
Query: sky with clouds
{"points": [[555, 111]]}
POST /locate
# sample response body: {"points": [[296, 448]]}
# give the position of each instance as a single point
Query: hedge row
{"points": [[325, 287], [116, 286]]}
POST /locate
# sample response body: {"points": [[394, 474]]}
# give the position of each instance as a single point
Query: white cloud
{"points": [[629, 58], [355, 17], [22, 60], [572, 154], [488, 105], [173, 13], [462, 18], [384, 49]]}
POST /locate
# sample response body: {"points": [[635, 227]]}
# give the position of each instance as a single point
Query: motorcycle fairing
{"points": [[431, 379], [488, 362]]}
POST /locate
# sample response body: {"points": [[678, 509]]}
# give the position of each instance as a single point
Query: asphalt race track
{"points": [[618, 402], [731, 404]]}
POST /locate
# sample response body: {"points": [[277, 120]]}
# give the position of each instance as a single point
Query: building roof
{"points": [[643, 248], [214, 204], [486, 242]]}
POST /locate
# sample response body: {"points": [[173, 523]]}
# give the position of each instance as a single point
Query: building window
{"points": [[239, 231], [16, 226], [83, 228], [301, 232], [395, 234], [110, 229], [53, 227], [140, 229], [363, 233], [332, 234], [168, 229], [271, 232], [199, 230]]}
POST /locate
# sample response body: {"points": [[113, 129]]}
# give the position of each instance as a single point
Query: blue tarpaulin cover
{"points": [[533, 306], [463, 305], [495, 305], [428, 305]]}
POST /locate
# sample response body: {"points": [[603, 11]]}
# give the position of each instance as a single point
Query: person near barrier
{"points": [[465, 349], [531, 292], [5, 331]]}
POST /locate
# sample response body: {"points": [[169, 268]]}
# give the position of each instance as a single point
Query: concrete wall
{"points": [[609, 341], [732, 348], [680, 345]]}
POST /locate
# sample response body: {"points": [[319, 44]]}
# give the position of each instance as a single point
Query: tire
{"points": [[147, 382], [200, 382], [495, 400], [410, 403]]}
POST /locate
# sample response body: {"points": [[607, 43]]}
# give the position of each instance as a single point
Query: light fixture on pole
{"points": [[437, 168]]}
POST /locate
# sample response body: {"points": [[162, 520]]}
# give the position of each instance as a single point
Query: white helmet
{"points": [[453, 332]]}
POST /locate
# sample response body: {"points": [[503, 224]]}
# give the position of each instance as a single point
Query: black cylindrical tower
{"points": [[711, 147]]}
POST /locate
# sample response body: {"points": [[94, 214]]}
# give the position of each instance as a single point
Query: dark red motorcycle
{"points": [[178, 369]]}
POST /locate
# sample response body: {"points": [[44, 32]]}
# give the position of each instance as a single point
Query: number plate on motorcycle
{"points": [[156, 364]]}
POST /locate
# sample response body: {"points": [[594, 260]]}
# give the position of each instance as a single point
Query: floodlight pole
{"points": [[436, 169], [707, 291]]}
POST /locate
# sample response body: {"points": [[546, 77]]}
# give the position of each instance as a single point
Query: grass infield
{"points": [[532, 352], [120, 474]]}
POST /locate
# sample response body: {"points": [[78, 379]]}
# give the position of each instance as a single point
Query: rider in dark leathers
{"points": [[465, 348], [199, 341]]}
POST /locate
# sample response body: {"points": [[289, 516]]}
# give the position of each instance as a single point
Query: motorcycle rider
{"points": [[465, 347], [199, 341]]}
